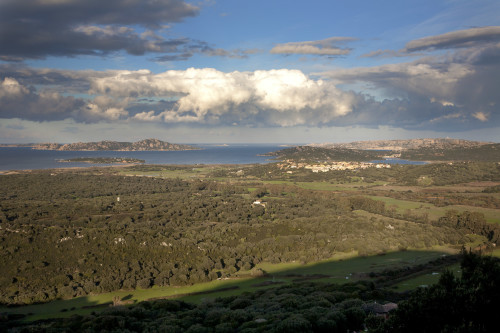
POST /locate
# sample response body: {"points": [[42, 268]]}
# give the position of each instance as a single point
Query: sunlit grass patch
{"points": [[425, 280], [341, 268]]}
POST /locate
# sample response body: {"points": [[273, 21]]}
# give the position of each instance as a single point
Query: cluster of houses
{"points": [[330, 166]]}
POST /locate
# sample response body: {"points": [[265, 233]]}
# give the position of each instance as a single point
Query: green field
{"points": [[401, 207], [424, 280]]}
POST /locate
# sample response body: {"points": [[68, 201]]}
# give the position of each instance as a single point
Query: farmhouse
{"points": [[258, 203], [381, 310]]}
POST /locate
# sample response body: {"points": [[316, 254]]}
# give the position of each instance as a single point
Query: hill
{"points": [[310, 154], [143, 145], [484, 153], [439, 143]]}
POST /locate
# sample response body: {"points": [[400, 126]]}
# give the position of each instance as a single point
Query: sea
{"points": [[26, 158]]}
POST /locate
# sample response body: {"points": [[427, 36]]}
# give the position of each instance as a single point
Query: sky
{"points": [[233, 71]]}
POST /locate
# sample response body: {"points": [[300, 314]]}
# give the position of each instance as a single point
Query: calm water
{"points": [[26, 158]]}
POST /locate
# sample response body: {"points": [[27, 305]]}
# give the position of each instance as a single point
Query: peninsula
{"points": [[104, 160], [143, 145]]}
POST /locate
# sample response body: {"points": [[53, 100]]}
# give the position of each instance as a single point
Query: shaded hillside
{"points": [[147, 144], [454, 304]]}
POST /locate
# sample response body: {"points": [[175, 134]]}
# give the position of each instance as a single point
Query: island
{"points": [[143, 145]]}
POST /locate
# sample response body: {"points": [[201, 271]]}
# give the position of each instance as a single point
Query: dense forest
{"points": [[69, 234]]}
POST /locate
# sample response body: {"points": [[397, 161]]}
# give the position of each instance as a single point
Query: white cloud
{"points": [[276, 97], [435, 81], [148, 116], [480, 116], [94, 111], [319, 47], [443, 103], [91, 30], [10, 88]]}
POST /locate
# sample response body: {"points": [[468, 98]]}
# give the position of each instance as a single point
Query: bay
{"points": [[26, 158], [398, 161]]}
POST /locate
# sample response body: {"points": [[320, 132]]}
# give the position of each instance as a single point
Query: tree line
{"points": [[464, 303]]}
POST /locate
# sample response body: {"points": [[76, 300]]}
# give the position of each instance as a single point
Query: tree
{"points": [[463, 304]]}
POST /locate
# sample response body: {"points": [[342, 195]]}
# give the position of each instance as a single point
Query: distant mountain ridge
{"points": [[143, 145], [404, 144]]}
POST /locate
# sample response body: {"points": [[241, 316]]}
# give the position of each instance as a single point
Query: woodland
{"points": [[453, 304], [70, 233]]}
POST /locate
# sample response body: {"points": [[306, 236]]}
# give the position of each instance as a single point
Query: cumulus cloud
{"points": [[18, 101], [37, 29], [322, 47], [95, 111], [201, 96], [207, 96], [10, 88], [435, 81]]}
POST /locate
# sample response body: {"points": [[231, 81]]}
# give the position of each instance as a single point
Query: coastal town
{"points": [[289, 165]]}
